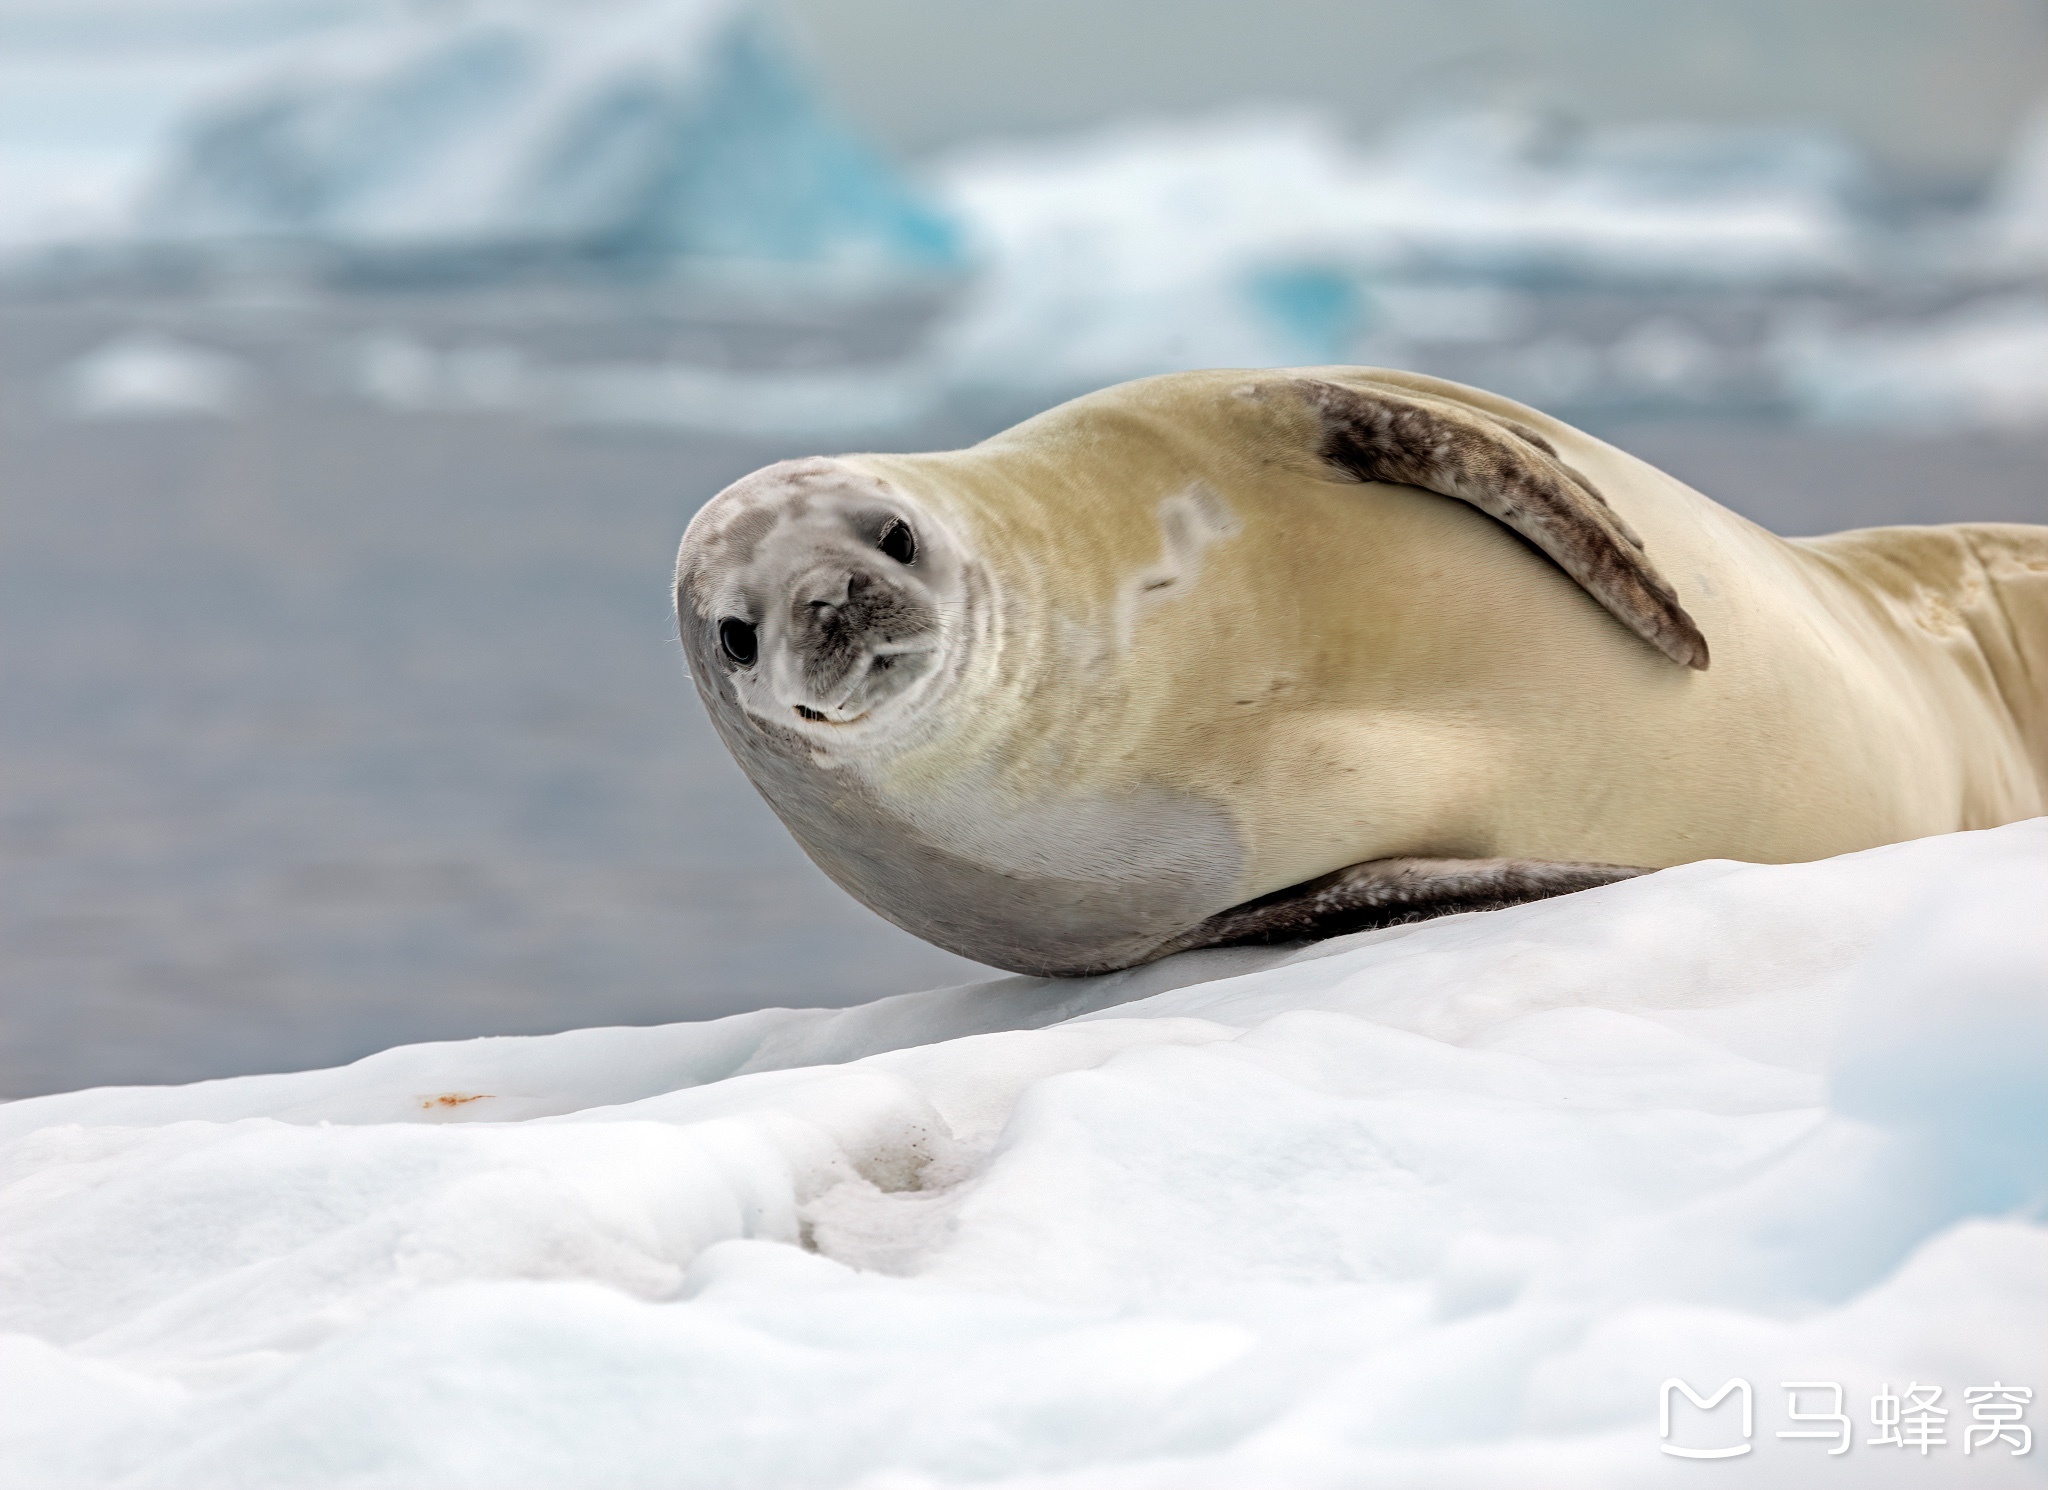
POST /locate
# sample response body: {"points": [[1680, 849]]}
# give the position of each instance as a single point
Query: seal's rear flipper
{"points": [[1381, 892], [1512, 475]]}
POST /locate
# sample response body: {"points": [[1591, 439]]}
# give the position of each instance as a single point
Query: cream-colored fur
{"points": [[1371, 672], [1180, 604]]}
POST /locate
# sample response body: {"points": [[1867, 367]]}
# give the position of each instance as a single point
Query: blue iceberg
{"points": [[637, 134]]}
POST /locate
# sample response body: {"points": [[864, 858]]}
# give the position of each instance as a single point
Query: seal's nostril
{"points": [[857, 582]]}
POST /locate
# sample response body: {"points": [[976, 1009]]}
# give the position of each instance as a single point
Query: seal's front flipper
{"points": [[1381, 892], [1513, 475]]}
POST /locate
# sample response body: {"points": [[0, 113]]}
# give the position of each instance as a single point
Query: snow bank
{"points": [[1437, 1205]]}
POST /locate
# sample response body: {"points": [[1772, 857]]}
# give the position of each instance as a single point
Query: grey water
{"points": [[325, 728]]}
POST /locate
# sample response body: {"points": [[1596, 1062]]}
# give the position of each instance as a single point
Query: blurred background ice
{"points": [[361, 361]]}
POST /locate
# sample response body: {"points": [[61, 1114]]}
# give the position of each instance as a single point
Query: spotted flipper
{"points": [[1512, 475]]}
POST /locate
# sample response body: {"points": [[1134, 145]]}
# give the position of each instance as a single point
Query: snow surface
{"points": [[1436, 1205]]}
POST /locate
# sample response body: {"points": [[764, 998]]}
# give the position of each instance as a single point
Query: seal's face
{"points": [[842, 638], [822, 598]]}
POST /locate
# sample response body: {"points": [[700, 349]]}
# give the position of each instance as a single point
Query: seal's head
{"points": [[846, 642], [824, 602]]}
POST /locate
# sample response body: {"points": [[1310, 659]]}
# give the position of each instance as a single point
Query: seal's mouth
{"points": [[862, 674], [802, 712]]}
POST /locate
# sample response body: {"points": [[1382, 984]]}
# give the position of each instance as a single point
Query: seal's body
{"points": [[1239, 656]]}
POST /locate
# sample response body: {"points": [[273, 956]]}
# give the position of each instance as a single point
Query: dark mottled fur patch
{"points": [[1395, 437]]}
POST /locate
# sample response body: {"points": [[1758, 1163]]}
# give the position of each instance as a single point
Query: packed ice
{"points": [[1452, 1203]]}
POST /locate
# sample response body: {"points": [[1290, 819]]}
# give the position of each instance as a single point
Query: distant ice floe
{"points": [[1274, 240], [2011, 236], [1982, 367], [1266, 239], [401, 373], [1443, 1204], [144, 375]]}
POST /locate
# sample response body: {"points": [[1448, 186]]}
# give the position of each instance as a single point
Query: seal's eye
{"points": [[898, 542], [739, 641]]}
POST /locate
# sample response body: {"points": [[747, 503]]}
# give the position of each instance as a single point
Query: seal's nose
{"points": [[858, 636], [828, 594]]}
